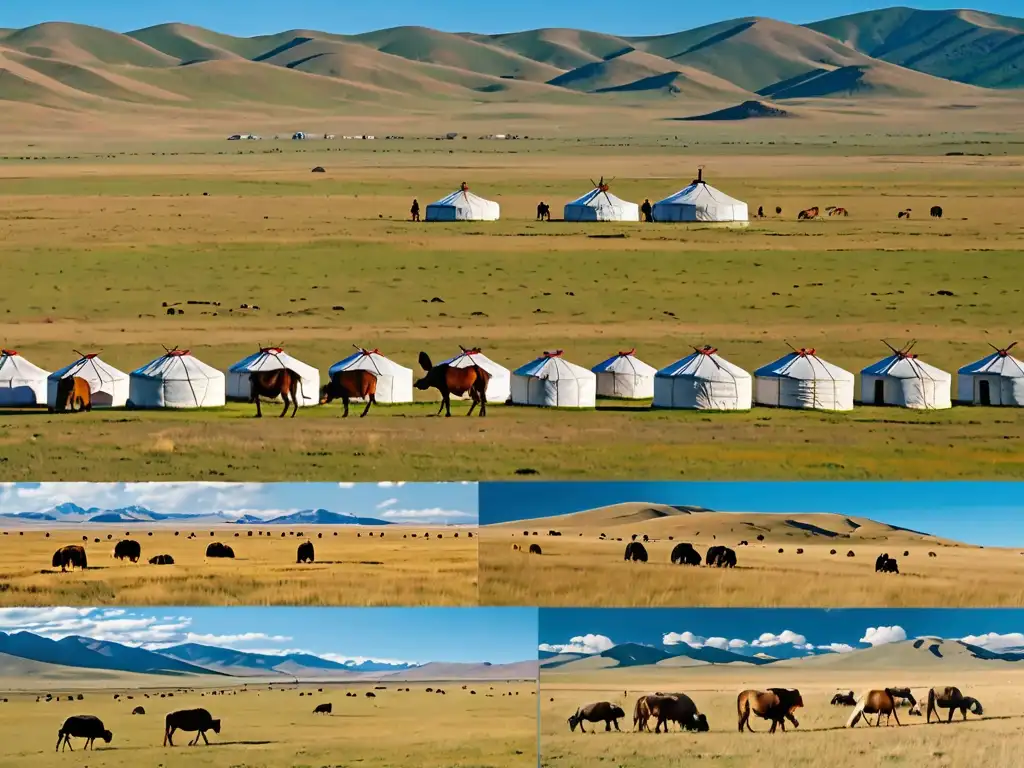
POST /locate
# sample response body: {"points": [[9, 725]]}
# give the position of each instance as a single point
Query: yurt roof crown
{"points": [[556, 353], [177, 352], [10, 352], [628, 353], [700, 176], [473, 351], [903, 353], [1001, 352]]}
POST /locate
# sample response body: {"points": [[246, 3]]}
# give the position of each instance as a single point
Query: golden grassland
{"points": [[578, 568], [94, 244], [263, 727], [821, 739], [349, 569]]}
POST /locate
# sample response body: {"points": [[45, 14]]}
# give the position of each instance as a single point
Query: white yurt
{"points": [[176, 379], [994, 380], [554, 382], [21, 383], [904, 380], [108, 386], [601, 205], [625, 376], [801, 379], [499, 388], [700, 202], [463, 205], [703, 381], [394, 382], [273, 359]]}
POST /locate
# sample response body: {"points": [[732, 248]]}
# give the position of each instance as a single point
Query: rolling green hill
{"points": [[896, 53]]}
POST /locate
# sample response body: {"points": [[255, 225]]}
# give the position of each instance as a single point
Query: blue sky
{"points": [[452, 503], [749, 631], [266, 16], [416, 635], [986, 514]]}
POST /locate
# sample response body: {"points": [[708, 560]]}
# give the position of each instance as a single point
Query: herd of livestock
{"points": [[717, 556], [74, 556], [777, 705]]}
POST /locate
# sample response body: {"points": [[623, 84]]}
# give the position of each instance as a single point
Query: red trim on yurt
{"points": [[369, 352], [707, 349], [178, 353], [90, 356], [10, 352], [271, 350], [473, 351], [464, 187], [630, 353], [556, 353], [806, 352]]}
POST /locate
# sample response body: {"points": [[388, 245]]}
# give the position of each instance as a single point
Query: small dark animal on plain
{"points": [[936, 212], [543, 212], [70, 556], [322, 709], [126, 549], [161, 560], [305, 552], [88, 727], [636, 552], [218, 549], [535, 549], [198, 720]]}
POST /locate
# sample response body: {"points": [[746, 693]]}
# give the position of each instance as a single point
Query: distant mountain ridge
{"points": [[892, 53], [197, 659], [73, 513]]}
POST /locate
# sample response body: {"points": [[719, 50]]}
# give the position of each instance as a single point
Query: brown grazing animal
{"points": [[808, 213], [198, 720], [218, 549], [543, 212], [70, 556], [775, 704], [139, 711], [636, 552], [73, 395], [904, 214], [677, 708], [535, 549], [351, 385], [88, 727], [305, 553], [952, 699], [684, 554], [282, 383], [455, 381], [128, 549], [844, 700], [880, 702], [323, 709], [834, 211], [161, 560], [595, 713]]}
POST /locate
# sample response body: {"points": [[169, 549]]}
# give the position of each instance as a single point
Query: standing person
{"points": [[645, 209], [415, 210]]}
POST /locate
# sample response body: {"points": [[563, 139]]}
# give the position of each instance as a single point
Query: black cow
{"points": [[305, 553], [139, 711], [217, 549], [161, 560], [128, 549], [599, 711], [70, 556], [88, 727], [322, 709], [721, 557], [886, 564], [636, 552], [684, 554], [936, 212], [198, 720]]}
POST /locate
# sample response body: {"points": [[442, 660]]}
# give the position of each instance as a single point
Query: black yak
{"points": [[126, 549]]}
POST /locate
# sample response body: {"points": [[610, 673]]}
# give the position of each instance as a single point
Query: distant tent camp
{"points": [[601, 205], [801, 379], [703, 381], [994, 380], [553, 382], [904, 380], [22, 384], [109, 387], [625, 376], [700, 202], [273, 359], [176, 379], [499, 388], [394, 382], [463, 205]]}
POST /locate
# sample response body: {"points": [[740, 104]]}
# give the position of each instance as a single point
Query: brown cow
{"points": [[880, 702], [73, 395], [455, 381], [596, 712], [775, 704], [283, 383], [349, 385], [808, 213]]}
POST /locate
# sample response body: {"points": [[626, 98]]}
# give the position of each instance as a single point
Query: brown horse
{"points": [[348, 385], [775, 704], [73, 395], [284, 383], [808, 213], [834, 211], [952, 699], [455, 381], [880, 702]]}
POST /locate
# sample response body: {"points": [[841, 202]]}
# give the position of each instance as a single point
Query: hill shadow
{"points": [[293, 43], [715, 39]]}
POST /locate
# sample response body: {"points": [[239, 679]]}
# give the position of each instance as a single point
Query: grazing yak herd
{"points": [[717, 556], [776, 706], [73, 556]]}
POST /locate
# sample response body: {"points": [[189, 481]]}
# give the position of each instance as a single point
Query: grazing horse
{"points": [[284, 383], [775, 704], [349, 385], [880, 702], [455, 381], [808, 213], [950, 698], [73, 395], [71, 555], [936, 212], [543, 212], [835, 211]]}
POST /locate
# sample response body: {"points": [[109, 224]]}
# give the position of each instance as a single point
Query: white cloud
{"points": [[836, 648], [228, 641], [390, 485], [876, 636], [588, 644], [160, 497], [432, 515], [993, 641], [786, 637], [387, 503], [683, 638], [346, 486]]}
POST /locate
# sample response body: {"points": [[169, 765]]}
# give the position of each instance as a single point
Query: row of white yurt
{"points": [[463, 205], [176, 379], [994, 380], [599, 204], [22, 384], [703, 381], [700, 202], [554, 382]]}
